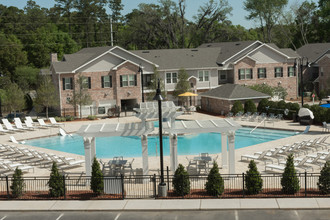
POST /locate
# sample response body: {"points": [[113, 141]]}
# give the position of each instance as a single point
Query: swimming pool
{"points": [[192, 144]]}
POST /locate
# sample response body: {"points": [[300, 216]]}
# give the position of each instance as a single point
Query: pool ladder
{"points": [[257, 125]]}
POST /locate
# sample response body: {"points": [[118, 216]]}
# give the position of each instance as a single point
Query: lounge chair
{"points": [[298, 164], [43, 124], [9, 126], [19, 125], [54, 122], [261, 157], [29, 125], [12, 139], [68, 164], [2, 130]]}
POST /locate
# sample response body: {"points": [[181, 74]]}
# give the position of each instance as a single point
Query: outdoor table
{"points": [[117, 166], [203, 163], [202, 158]]}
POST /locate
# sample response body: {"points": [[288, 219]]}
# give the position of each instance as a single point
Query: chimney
{"points": [[53, 57]]}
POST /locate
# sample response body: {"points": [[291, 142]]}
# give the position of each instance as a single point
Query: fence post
{"points": [[122, 186], [168, 179], [154, 180], [243, 185], [64, 185], [305, 184], [7, 184]]}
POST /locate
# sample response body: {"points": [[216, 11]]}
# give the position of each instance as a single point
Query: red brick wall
{"points": [[324, 80], [289, 83]]}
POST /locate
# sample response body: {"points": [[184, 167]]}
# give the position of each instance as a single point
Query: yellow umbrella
{"points": [[188, 94]]}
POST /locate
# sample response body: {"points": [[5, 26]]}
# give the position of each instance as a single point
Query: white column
{"points": [[231, 140], [93, 148], [88, 155], [224, 151], [173, 152], [145, 163]]}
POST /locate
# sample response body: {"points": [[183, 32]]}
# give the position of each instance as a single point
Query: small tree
{"points": [[97, 178], [17, 186], [182, 85], [181, 182], [237, 107], [56, 183], [324, 179], [154, 85], [290, 181], [215, 183], [249, 106], [14, 98], [253, 181]]}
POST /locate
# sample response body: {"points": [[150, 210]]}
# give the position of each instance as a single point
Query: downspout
{"points": [[59, 92]]}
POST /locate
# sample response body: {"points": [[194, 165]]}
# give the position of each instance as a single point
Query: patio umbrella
{"points": [[325, 105], [188, 94], [305, 112]]}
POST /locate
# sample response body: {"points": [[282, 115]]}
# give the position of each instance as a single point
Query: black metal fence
{"points": [[138, 187]]}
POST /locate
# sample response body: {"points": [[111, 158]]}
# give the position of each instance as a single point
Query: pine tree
{"points": [[17, 186], [324, 179], [215, 183], [97, 178], [56, 183], [182, 85], [290, 181], [181, 182], [253, 181]]}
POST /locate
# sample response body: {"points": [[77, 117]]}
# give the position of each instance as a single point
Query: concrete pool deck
{"points": [[241, 166]]}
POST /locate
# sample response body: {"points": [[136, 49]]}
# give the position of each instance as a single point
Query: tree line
{"points": [[29, 35]]}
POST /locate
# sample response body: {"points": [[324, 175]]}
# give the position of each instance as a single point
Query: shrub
{"points": [[69, 118], [324, 179], [249, 106], [281, 105], [181, 182], [215, 183], [262, 105], [289, 180], [60, 119], [97, 178], [17, 186], [91, 117], [56, 183], [237, 107], [253, 181]]}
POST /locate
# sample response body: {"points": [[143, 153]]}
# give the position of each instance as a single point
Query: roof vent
{"points": [[146, 51]]}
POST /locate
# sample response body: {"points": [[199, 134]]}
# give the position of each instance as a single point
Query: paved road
{"points": [[182, 215]]}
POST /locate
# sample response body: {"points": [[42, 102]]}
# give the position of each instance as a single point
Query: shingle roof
{"points": [[234, 92], [313, 51], [181, 58]]}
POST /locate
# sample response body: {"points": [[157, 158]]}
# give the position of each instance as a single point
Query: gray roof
{"points": [[73, 61], [181, 58], [234, 92], [313, 51]]}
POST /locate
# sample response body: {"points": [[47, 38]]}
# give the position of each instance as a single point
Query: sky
{"points": [[237, 17]]}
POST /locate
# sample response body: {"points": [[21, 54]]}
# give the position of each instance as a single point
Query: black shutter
{"points": [[102, 81], [63, 80], [121, 81], [71, 83], [265, 73], [110, 79], [251, 73], [258, 73], [135, 80], [89, 83], [239, 75]]}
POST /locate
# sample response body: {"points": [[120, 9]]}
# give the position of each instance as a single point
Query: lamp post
{"points": [[141, 72], [300, 60], [162, 190]]}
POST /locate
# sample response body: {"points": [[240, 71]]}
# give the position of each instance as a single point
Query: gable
{"points": [[103, 63], [266, 55]]}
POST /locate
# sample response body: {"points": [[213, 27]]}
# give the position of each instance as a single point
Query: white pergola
{"points": [[149, 110]]}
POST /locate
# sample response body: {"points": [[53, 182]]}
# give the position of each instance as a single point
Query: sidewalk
{"points": [[167, 205]]}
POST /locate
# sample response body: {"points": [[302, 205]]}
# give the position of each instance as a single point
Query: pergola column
{"points": [[173, 152], [89, 145], [224, 151], [145, 163], [231, 140]]}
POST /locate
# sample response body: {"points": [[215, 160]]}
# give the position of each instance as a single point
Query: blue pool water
{"points": [[108, 147]]}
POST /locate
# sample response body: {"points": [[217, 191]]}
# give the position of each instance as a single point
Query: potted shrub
{"points": [[56, 183], [17, 186], [289, 180], [215, 184], [181, 182], [324, 179], [253, 181], [97, 178]]}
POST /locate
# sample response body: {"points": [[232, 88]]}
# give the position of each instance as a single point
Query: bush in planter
{"points": [[91, 117], [324, 179], [249, 106], [69, 118], [215, 184], [17, 186], [289, 180], [262, 105], [97, 178], [60, 119], [181, 182], [56, 183], [237, 107], [253, 181]]}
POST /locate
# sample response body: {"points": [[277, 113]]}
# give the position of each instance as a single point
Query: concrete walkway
{"points": [[167, 205]]}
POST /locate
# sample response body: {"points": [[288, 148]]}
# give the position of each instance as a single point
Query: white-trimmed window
{"points": [[86, 83], [222, 75], [203, 75], [67, 83], [244, 74], [128, 80], [171, 78], [262, 73], [106, 81], [291, 71], [278, 72]]}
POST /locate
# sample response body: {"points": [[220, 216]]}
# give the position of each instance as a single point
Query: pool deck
{"points": [[241, 166]]}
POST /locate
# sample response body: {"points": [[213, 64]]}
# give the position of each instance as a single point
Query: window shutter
{"points": [[71, 82], [110, 78], [63, 80], [89, 83], [281, 71], [135, 80], [239, 75], [251, 73], [102, 81], [265, 73], [121, 81], [258, 74]]}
